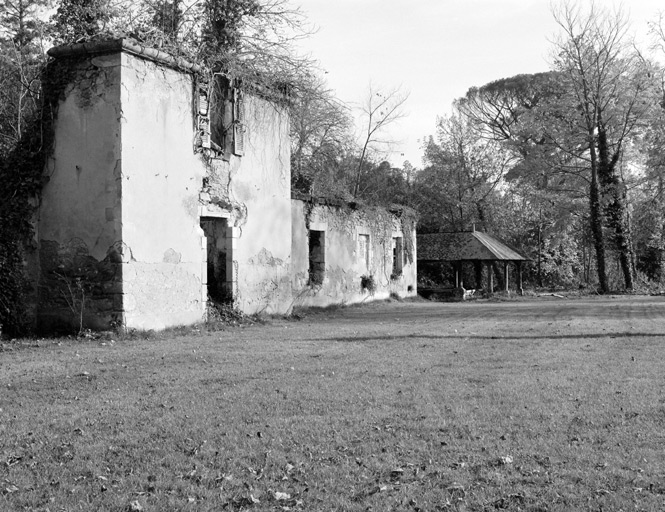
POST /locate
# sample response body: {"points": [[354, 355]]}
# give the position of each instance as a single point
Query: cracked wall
{"points": [[161, 183], [344, 265], [261, 182], [121, 215], [253, 193], [119, 218]]}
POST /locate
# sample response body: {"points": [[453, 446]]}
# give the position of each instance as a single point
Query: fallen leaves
{"points": [[456, 491], [10, 488], [12, 460], [508, 501], [396, 474], [135, 506], [346, 443]]}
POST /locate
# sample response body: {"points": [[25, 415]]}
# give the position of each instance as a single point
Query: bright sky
{"points": [[436, 49]]}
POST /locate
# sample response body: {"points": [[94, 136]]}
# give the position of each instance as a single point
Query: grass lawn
{"points": [[540, 405]]}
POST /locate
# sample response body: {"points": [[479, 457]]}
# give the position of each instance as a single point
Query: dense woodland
{"points": [[566, 166]]}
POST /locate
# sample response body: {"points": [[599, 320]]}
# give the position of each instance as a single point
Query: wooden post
{"points": [[505, 275], [456, 267], [520, 290], [478, 267], [490, 277]]}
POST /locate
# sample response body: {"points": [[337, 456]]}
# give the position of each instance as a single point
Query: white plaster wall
{"points": [[124, 173], [407, 285], [82, 197], [261, 181], [164, 272], [161, 180], [344, 265]]}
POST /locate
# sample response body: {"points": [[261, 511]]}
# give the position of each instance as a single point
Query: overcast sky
{"points": [[436, 49]]}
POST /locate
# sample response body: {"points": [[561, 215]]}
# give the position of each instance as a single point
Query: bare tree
{"points": [[459, 184], [380, 110], [651, 213], [608, 82], [321, 135], [21, 58]]}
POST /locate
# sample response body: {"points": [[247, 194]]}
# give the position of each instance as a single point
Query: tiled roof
{"points": [[465, 246]]}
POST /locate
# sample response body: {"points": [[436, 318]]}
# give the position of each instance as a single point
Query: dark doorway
{"points": [[218, 253]]}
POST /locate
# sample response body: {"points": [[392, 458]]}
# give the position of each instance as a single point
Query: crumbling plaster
{"points": [[161, 182], [163, 200], [253, 192], [258, 200], [128, 189], [129, 185], [87, 118], [78, 221], [343, 264]]}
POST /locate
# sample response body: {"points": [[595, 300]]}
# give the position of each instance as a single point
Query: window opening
{"points": [[220, 116], [398, 257], [363, 250], [317, 257]]}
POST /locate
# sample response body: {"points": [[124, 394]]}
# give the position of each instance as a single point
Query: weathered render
{"points": [[335, 274], [168, 186], [79, 227]]}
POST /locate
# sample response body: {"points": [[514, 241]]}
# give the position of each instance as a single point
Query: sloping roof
{"points": [[465, 246]]}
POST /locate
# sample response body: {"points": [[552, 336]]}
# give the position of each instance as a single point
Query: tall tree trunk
{"points": [[540, 247], [658, 238], [478, 271], [480, 208], [616, 208], [597, 224], [359, 170], [616, 219], [629, 230]]}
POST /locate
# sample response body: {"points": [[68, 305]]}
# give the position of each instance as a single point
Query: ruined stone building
{"points": [[166, 188]]}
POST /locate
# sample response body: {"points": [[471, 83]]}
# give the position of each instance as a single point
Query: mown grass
{"points": [[333, 414]]}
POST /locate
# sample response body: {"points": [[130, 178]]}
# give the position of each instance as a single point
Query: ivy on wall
{"points": [[408, 218], [345, 217], [22, 177]]}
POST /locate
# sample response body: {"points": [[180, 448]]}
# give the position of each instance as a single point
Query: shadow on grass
{"points": [[300, 312], [349, 339]]}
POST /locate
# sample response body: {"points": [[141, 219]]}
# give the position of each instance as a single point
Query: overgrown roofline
{"points": [[396, 209], [277, 93], [127, 45]]}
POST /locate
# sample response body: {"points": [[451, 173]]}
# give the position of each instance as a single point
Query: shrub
{"points": [[367, 283]]}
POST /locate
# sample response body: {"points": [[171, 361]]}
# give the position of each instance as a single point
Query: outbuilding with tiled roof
{"points": [[470, 247]]}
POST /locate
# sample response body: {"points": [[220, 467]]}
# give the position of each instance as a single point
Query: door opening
{"points": [[218, 259]]}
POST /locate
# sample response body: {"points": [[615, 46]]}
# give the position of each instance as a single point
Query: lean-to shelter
{"points": [[470, 247]]}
